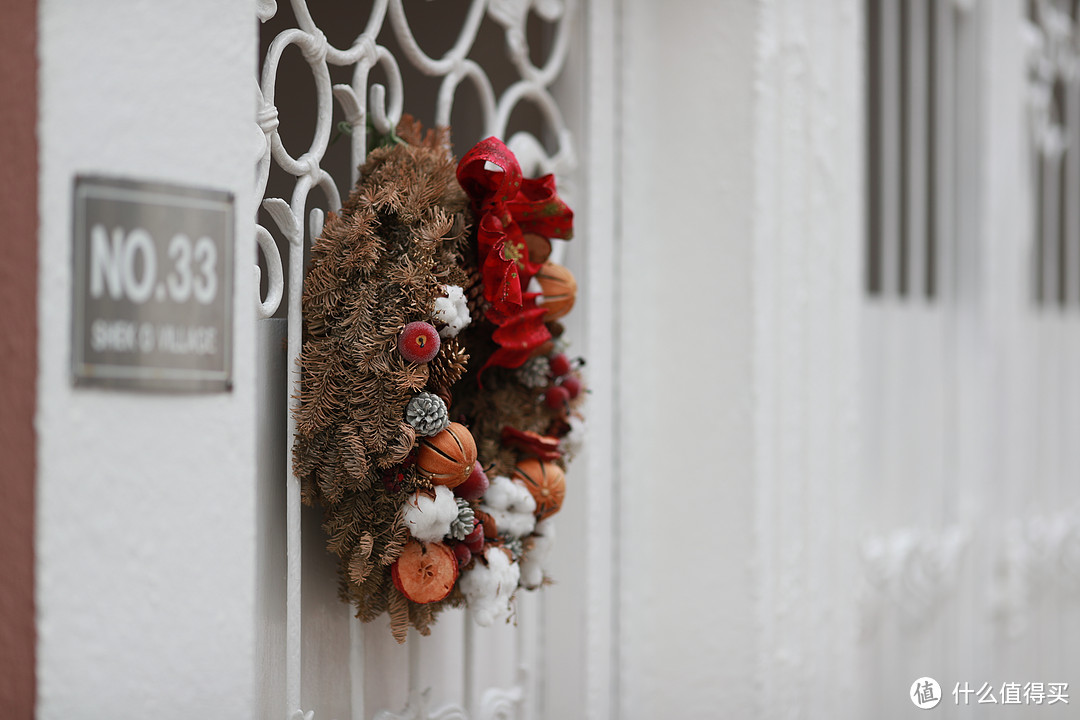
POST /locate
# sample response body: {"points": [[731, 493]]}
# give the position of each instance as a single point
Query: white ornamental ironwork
{"points": [[361, 101], [1053, 59], [913, 569], [1052, 46], [1040, 557]]}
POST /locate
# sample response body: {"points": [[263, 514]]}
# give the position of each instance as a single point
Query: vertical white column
{"points": [[807, 294], [685, 355], [999, 470], [147, 502], [601, 474], [739, 276]]}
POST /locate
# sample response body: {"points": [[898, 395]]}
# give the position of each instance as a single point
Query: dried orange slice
{"points": [[425, 572]]}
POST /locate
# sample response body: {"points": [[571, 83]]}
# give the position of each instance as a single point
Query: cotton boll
{"points": [[452, 310], [489, 588], [511, 524], [537, 550], [511, 506], [574, 440], [427, 518], [506, 494]]}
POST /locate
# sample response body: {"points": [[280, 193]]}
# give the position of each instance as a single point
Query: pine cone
{"points": [[516, 546], [448, 366], [534, 373], [465, 522], [474, 294], [427, 414]]}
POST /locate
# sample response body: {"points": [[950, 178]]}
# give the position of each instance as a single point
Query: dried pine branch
{"points": [[379, 264]]}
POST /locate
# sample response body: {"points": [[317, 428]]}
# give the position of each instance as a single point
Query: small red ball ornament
{"points": [[475, 540], [556, 397], [418, 342], [475, 485], [572, 385], [463, 554], [560, 365]]}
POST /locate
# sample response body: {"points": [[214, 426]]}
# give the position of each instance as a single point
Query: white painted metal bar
{"points": [[944, 128], [916, 127], [412, 645], [469, 663], [293, 639], [602, 95], [356, 669], [889, 145]]}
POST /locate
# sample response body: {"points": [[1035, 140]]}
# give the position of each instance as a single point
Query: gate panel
{"points": [[970, 384], [328, 71]]}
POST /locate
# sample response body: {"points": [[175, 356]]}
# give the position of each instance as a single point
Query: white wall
{"points": [[146, 503], [738, 140]]}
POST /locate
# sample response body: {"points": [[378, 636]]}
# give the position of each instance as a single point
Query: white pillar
{"points": [[146, 502], [739, 283]]}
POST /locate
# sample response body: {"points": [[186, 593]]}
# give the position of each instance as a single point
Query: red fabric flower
{"points": [[508, 206]]}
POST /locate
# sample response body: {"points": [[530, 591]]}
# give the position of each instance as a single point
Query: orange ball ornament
{"points": [[539, 247], [448, 457], [558, 290], [546, 482]]}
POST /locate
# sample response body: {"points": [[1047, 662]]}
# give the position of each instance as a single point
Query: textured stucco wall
{"points": [[146, 503]]}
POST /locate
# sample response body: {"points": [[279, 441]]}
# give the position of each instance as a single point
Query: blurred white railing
{"points": [[971, 387], [1052, 36]]}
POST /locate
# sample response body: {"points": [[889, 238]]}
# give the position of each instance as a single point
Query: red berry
{"points": [[572, 383], [475, 540], [419, 342], [560, 365], [475, 485], [556, 397], [464, 555]]}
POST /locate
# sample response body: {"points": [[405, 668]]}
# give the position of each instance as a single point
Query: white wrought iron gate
{"points": [[971, 348], [509, 68]]}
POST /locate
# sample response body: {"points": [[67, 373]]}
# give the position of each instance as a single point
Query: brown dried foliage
{"points": [[379, 264]]}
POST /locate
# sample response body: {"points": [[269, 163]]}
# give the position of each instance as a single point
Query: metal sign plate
{"points": [[152, 305]]}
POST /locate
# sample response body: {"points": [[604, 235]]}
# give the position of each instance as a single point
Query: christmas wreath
{"points": [[438, 407]]}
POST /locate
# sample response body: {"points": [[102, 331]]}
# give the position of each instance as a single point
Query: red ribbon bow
{"points": [[509, 206]]}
